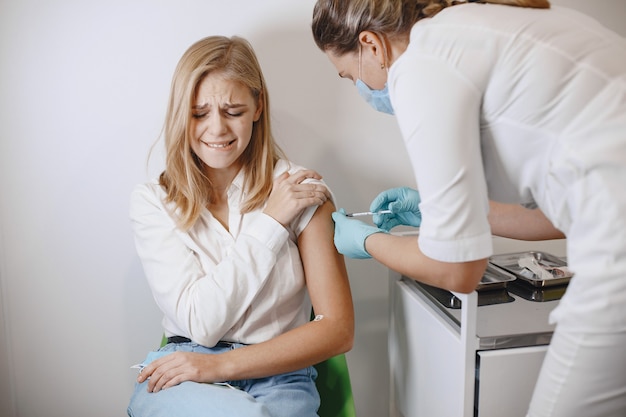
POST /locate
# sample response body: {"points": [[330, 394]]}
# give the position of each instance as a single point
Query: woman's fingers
{"points": [[291, 194], [304, 174], [169, 371], [166, 379], [306, 190]]}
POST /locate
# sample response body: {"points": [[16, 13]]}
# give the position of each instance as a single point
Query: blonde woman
{"points": [[237, 247], [518, 103]]}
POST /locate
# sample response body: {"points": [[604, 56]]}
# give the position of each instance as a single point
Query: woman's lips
{"points": [[219, 145]]}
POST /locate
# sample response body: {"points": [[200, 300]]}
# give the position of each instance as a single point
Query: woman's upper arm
{"points": [[325, 270]]}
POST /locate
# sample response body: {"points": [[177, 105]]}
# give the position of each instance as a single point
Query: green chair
{"points": [[333, 384]]}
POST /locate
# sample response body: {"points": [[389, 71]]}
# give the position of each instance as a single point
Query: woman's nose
{"points": [[217, 125]]}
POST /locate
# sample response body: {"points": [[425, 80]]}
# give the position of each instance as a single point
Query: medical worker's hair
{"points": [[336, 24], [184, 180]]}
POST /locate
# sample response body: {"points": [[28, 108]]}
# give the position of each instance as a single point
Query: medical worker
{"points": [[517, 103]]}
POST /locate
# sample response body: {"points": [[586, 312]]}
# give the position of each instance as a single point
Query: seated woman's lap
{"points": [[192, 399]]}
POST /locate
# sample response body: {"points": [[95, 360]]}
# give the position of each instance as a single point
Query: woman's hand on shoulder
{"points": [[291, 194]]}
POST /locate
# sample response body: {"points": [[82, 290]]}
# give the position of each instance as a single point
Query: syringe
{"points": [[368, 213]]}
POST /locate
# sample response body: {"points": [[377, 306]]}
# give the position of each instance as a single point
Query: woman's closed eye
{"points": [[229, 111], [234, 110], [201, 115]]}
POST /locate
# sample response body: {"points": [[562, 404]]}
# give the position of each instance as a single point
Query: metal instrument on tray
{"points": [[511, 262]]}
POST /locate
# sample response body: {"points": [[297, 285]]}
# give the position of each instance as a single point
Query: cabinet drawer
{"points": [[505, 380]]}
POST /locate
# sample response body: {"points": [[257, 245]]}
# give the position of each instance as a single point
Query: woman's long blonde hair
{"points": [[336, 24], [184, 180]]}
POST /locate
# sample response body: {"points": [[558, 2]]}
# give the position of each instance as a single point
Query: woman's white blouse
{"points": [[244, 285], [506, 103]]}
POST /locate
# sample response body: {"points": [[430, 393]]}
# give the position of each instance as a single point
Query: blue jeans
{"points": [[285, 395]]}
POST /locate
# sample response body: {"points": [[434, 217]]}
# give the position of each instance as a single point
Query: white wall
{"points": [[83, 87]]}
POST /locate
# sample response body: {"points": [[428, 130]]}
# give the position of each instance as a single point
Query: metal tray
{"points": [[449, 300], [494, 278], [508, 262], [491, 289], [537, 294]]}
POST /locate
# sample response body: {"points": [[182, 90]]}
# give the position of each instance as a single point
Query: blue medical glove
{"points": [[350, 235], [404, 204]]}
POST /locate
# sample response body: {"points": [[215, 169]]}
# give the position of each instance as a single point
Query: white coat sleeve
{"points": [[438, 112]]}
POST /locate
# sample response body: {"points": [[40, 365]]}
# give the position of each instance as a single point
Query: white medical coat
{"points": [[521, 106]]}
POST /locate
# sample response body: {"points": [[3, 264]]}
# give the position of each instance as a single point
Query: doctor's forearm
{"points": [[516, 222], [402, 254]]}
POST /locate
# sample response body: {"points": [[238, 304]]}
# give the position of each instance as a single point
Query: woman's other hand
{"points": [[291, 194], [177, 367]]}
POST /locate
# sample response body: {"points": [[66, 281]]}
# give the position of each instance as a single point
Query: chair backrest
{"points": [[333, 384]]}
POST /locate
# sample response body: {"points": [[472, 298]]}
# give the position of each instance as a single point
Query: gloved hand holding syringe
{"points": [[391, 208], [401, 207], [394, 207]]}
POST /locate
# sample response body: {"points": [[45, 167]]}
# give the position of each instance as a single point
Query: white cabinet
{"points": [[474, 361], [469, 362], [431, 362]]}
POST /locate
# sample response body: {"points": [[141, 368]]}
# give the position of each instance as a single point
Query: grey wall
{"points": [[83, 91]]}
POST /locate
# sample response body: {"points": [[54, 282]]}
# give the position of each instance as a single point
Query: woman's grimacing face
{"points": [[223, 114]]}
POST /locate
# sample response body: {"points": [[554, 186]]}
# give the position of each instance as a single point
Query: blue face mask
{"points": [[378, 99]]}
